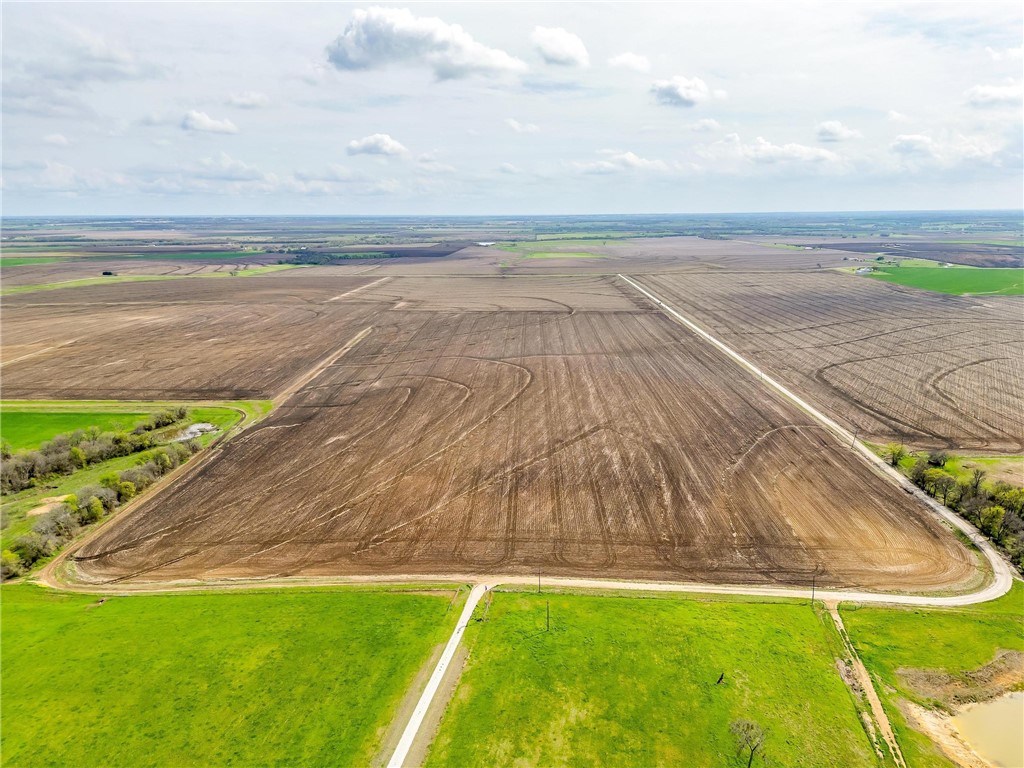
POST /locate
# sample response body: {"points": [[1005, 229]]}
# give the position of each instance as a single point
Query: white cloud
{"points": [[225, 167], [763, 151], [65, 178], [897, 117], [918, 151], [619, 162], [89, 58], [508, 168], [560, 47], [377, 144], [833, 130], [202, 122], [379, 37], [57, 140], [683, 92], [428, 163], [707, 125], [913, 144], [249, 100], [518, 127], [1007, 94], [731, 154], [333, 173], [1010, 54], [633, 61]]}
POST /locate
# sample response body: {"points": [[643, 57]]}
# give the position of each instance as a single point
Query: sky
{"points": [[510, 108]]}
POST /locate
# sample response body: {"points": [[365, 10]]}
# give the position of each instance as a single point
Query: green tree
{"points": [[92, 511], [894, 452], [125, 490], [10, 565], [976, 477], [939, 483], [992, 519], [749, 737], [78, 456]]}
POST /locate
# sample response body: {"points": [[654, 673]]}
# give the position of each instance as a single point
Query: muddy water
{"points": [[995, 729]]}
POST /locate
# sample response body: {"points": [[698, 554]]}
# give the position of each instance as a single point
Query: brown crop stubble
{"points": [[889, 362], [599, 443]]}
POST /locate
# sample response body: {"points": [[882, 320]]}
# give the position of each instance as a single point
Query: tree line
{"points": [[88, 505], [995, 508], [68, 453]]}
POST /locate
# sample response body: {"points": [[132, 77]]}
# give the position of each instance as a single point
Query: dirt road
{"points": [[398, 759], [1002, 575]]}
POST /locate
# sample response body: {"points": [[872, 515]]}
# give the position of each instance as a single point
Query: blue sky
{"points": [[475, 108]]}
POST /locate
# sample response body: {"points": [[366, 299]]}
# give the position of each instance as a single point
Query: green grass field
{"points": [[183, 256], [29, 428], [242, 272], [40, 419], [277, 677], [632, 681], [956, 281], [888, 639], [21, 261]]}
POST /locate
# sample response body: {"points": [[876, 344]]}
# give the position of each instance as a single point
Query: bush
{"points": [[29, 548], [125, 490], [10, 565], [91, 512], [67, 453]]}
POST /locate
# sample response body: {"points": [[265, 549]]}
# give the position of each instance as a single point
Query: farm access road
{"points": [[1002, 576]]}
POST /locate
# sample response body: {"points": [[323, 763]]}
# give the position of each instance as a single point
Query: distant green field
{"points": [[183, 256], [21, 261], [965, 280], [41, 420], [29, 428], [242, 272], [953, 640], [630, 681], [560, 255], [296, 677]]}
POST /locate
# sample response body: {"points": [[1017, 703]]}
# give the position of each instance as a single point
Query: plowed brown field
{"points": [[526, 423], [893, 363], [596, 438]]}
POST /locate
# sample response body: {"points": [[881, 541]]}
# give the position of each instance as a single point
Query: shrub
{"points": [[29, 548], [10, 565]]}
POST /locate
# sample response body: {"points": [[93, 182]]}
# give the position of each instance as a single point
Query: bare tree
{"points": [[749, 736]]}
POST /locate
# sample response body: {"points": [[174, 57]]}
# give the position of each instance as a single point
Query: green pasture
{"points": [[633, 681], [39, 420], [296, 677], [23, 261], [953, 640], [25, 429], [243, 271], [958, 281]]}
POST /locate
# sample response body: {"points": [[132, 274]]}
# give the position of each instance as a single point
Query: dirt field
{"points": [[503, 414], [182, 339], [893, 363], [971, 254], [596, 437]]}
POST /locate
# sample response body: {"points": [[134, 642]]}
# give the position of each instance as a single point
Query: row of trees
{"points": [[67, 453], [995, 508], [59, 526]]}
